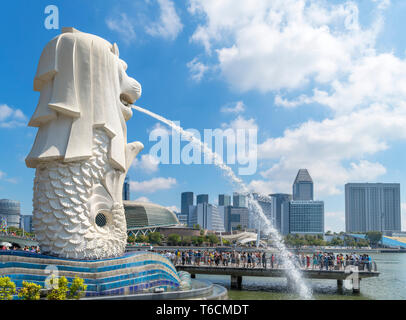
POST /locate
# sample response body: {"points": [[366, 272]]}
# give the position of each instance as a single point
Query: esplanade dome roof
{"points": [[145, 214]]}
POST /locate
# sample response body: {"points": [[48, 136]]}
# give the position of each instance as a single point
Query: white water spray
{"points": [[294, 273]]}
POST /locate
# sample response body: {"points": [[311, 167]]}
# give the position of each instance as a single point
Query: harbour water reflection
{"points": [[390, 285]]}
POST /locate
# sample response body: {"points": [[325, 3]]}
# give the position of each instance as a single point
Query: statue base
{"points": [[132, 273]]}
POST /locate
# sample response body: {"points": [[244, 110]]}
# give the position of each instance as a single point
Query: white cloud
{"points": [[334, 150], [153, 185], [160, 129], [11, 118], [197, 69], [142, 199], [147, 163], [241, 123], [123, 26], [3, 176], [282, 44], [380, 78], [169, 24], [236, 107]]}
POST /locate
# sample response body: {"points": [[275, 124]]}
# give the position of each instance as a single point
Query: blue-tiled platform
{"points": [[131, 273]]}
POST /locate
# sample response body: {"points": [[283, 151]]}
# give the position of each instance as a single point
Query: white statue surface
{"points": [[80, 153]]}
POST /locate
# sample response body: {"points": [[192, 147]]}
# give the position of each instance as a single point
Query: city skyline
{"points": [[339, 113]]}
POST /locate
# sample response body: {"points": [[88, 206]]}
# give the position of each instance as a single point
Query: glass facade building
{"points": [[126, 188], [202, 198], [305, 217], [303, 186], [10, 209], [277, 200], [265, 202], [239, 200], [224, 200], [207, 216], [235, 217], [186, 201], [372, 207]]}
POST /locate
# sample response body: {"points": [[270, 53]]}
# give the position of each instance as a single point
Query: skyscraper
{"points": [[372, 207], [277, 200], [202, 198], [303, 186], [239, 200], [302, 215], [235, 217], [126, 188], [186, 201], [224, 200], [207, 216], [265, 203], [306, 217]]}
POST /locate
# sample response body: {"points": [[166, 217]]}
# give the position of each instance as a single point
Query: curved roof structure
{"points": [[145, 214]]}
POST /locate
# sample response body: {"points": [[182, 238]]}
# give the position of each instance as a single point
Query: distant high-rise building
{"points": [[202, 198], [186, 201], [26, 223], [239, 200], [207, 216], [305, 217], [235, 218], [126, 188], [224, 200], [301, 215], [265, 203], [372, 207], [277, 200], [303, 186], [10, 210]]}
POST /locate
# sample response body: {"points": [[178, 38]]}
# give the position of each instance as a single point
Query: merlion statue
{"points": [[80, 153]]}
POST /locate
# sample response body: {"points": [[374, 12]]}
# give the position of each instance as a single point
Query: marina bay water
{"points": [[390, 285], [254, 208]]}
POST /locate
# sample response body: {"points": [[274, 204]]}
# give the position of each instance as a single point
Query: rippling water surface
{"points": [[390, 285]]}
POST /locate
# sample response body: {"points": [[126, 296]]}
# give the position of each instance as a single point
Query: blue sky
{"points": [[323, 82]]}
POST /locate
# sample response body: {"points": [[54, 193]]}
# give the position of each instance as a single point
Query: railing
{"points": [[363, 266]]}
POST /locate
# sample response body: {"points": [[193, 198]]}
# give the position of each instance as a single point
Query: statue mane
{"points": [[80, 79]]}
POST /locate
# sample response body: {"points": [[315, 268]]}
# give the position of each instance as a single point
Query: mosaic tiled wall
{"points": [[132, 273]]}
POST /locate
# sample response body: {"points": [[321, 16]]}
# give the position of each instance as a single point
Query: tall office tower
{"points": [[303, 186], [224, 200], [26, 223], [265, 203], [277, 200], [202, 198], [207, 216], [239, 200], [186, 201], [372, 207], [304, 217], [235, 218], [126, 188]]}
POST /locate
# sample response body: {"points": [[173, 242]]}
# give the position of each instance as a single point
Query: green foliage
{"points": [[186, 241], [336, 241], [141, 238], [201, 232], [362, 243], [7, 288], [29, 291], [60, 288], [309, 240], [131, 239], [212, 238], [226, 242], [374, 237], [77, 288], [155, 238], [174, 239], [196, 226]]}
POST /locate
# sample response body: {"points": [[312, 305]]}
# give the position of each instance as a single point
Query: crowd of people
{"points": [[262, 259], [34, 249]]}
